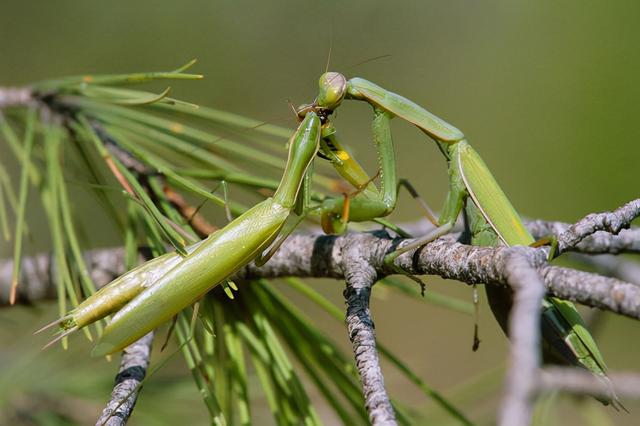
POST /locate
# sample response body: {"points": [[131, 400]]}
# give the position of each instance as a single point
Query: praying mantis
{"points": [[156, 291], [492, 218]]}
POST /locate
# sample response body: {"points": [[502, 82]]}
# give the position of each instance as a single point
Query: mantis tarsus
{"points": [[493, 219], [182, 280]]}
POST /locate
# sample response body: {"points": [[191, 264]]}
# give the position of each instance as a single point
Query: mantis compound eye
{"points": [[333, 87]]}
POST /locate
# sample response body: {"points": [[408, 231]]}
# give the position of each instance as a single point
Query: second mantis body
{"points": [[472, 187]]}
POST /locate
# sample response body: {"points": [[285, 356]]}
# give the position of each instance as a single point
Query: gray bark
{"points": [[133, 369]]}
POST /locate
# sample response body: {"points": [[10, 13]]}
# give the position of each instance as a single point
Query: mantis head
{"points": [[333, 88]]}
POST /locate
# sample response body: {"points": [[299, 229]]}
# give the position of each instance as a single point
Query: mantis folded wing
{"points": [[493, 221]]}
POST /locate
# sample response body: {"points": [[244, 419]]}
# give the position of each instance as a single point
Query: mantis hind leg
{"points": [[426, 210], [391, 257], [439, 231], [425, 239], [450, 212], [453, 206], [367, 202]]}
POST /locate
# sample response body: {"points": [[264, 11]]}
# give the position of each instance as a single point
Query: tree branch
{"points": [[312, 255], [133, 369], [37, 272], [614, 266], [595, 233], [524, 333], [15, 96], [611, 222], [580, 381], [593, 290], [360, 277]]}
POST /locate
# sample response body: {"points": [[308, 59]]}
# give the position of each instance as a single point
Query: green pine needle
{"points": [[22, 201]]}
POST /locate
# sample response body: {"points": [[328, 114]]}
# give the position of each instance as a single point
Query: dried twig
{"points": [[597, 232], [133, 368], [15, 96], [360, 277], [580, 381], [524, 333]]}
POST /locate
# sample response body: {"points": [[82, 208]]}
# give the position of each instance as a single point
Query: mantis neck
{"points": [[289, 186], [303, 147]]}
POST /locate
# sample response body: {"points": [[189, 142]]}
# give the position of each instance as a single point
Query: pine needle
{"points": [[22, 203]]}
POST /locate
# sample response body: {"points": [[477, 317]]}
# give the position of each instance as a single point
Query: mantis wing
{"points": [[489, 197], [560, 315]]}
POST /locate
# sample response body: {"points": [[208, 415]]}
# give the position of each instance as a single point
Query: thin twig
{"points": [[360, 277], [133, 368], [524, 333], [593, 290], [15, 97], [612, 222], [597, 232], [202, 227], [622, 268], [600, 242], [591, 240], [580, 381]]}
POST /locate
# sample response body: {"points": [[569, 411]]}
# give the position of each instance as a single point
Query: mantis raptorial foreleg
{"points": [[367, 202], [471, 185]]}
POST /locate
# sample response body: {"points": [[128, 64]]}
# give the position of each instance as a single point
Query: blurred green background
{"points": [[546, 91]]}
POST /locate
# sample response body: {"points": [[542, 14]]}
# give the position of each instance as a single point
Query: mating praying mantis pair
{"points": [[154, 292]]}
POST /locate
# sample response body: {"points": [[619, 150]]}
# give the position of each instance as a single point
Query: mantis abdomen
{"points": [[157, 290], [219, 256]]}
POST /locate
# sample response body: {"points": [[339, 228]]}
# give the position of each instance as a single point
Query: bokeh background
{"points": [[546, 91]]}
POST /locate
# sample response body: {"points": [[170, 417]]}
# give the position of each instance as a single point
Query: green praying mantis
{"points": [[492, 218], [157, 290]]}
